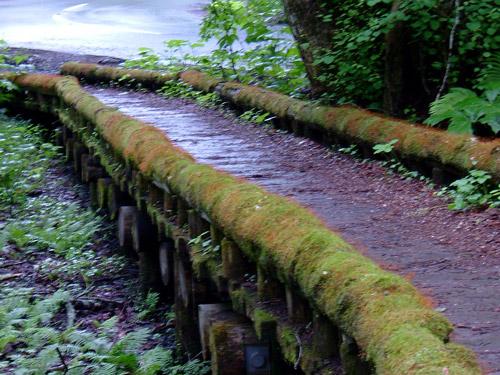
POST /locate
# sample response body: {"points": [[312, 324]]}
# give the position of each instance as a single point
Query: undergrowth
{"points": [[477, 189], [41, 331]]}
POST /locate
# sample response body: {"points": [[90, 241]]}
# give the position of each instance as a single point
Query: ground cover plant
{"points": [[58, 311]]}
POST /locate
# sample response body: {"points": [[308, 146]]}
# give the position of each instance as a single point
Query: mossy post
{"points": [[186, 317], [102, 191], [233, 261], [268, 286]]}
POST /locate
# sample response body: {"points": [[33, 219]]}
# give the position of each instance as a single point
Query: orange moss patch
{"points": [[200, 81]]}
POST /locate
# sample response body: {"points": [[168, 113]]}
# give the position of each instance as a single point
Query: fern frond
{"points": [[38, 337], [106, 328], [106, 369], [154, 360], [133, 341], [492, 70], [449, 101]]}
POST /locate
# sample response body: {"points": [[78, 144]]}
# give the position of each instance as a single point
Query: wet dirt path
{"points": [[452, 257]]}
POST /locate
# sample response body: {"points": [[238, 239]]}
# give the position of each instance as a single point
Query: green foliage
{"points": [[353, 68], [385, 148], [8, 62], [464, 110], [203, 244], [394, 164], [148, 305], [249, 49], [179, 89], [24, 156], [38, 345], [475, 189], [37, 335], [256, 116]]}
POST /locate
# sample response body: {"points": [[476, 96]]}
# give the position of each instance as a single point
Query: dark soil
{"points": [[451, 256]]}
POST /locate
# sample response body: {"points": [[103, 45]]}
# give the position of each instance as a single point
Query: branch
{"points": [[300, 352], [66, 369], [450, 49], [10, 276]]}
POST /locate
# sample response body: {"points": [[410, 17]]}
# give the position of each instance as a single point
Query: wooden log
{"points": [[268, 287], [166, 260], [125, 224], [69, 149], [116, 199], [79, 149], [102, 191], [144, 233]]}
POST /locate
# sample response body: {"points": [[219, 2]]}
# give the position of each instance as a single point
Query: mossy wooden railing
{"points": [[396, 329], [422, 147]]}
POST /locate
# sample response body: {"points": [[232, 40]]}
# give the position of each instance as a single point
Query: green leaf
{"points": [[473, 26], [460, 125]]}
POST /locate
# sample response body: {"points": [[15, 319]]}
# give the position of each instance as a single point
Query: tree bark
{"points": [[312, 35]]}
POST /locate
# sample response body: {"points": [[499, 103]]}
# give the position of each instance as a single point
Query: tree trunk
{"points": [[311, 33]]}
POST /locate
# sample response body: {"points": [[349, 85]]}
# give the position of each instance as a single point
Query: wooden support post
{"points": [[102, 191], [66, 133], [144, 233], [326, 337], [197, 225], [59, 136], [367, 152], [297, 128], [156, 196], [69, 149], [166, 260], [182, 213], [91, 170], [233, 262], [352, 361], [117, 198], [437, 176], [236, 350], [149, 271], [170, 204], [298, 308], [125, 223], [94, 202], [186, 316], [268, 287], [216, 235], [209, 314], [79, 150]]}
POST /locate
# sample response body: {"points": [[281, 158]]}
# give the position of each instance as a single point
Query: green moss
{"points": [[290, 347], [265, 325]]}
